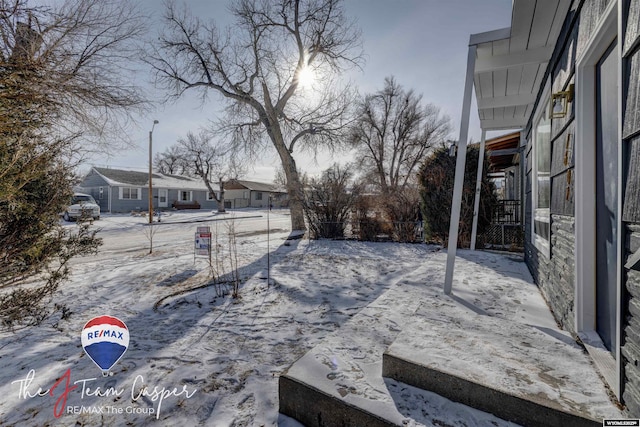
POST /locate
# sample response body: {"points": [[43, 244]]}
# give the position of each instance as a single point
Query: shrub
{"points": [[437, 176], [328, 202]]}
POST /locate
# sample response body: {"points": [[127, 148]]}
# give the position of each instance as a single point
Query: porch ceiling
{"points": [[510, 63]]}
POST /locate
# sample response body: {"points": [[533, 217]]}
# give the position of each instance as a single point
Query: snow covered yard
{"points": [[222, 355], [197, 357]]}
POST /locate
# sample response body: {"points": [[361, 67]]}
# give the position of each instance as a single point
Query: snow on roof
{"points": [[124, 177], [255, 186]]}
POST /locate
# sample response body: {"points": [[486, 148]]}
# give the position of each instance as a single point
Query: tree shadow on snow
{"points": [[178, 278], [151, 332]]}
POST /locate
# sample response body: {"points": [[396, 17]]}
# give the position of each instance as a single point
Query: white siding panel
{"points": [[500, 47], [500, 83], [520, 24], [520, 112], [514, 78], [509, 112], [529, 74], [476, 84], [542, 21], [486, 84]]}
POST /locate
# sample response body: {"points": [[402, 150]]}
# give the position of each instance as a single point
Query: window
{"points": [[542, 178], [185, 196], [258, 196], [130, 193]]}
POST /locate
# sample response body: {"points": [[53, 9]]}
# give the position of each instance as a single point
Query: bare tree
{"points": [[171, 162], [280, 178], [80, 54], [394, 134], [203, 158], [258, 68]]}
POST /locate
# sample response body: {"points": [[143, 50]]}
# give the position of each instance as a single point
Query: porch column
{"points": [[476, 202], [460, 161]]}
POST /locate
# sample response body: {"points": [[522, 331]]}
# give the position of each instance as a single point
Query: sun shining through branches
{"points": [[255, 78], [306, 77]]}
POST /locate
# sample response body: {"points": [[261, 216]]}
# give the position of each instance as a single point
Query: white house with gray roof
{"points": [[252, 194], [120, 190]]}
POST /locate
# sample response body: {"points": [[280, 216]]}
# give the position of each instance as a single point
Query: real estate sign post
{"points": [[202, 245]]}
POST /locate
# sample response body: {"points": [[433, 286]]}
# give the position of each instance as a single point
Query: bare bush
{"points": [[368, 221], [328, 202], [233, 275], [402, 209]]}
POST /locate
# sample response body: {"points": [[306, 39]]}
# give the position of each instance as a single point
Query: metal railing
{"points": [[506, 212]]}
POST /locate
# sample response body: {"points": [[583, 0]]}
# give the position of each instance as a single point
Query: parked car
{"points": [[82, 205]]}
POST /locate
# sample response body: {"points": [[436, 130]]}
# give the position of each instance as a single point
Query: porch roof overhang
{"points": [[506, 67], [510, 63]]}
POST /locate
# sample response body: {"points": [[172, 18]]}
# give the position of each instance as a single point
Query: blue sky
{"points": [[423, 43]]}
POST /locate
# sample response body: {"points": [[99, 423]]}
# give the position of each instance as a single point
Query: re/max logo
{"points": [[621, 423], [105, 333]]}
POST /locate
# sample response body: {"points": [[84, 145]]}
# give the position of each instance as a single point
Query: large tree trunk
{"points": [[294, 187], [221, 198]]}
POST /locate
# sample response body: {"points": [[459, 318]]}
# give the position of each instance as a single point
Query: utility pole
{"points": [[155, 122]]}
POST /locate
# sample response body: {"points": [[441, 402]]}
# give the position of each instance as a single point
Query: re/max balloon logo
{"points": [[105, 340]]}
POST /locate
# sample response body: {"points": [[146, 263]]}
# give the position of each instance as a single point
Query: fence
{"points": [[506, 230], [502, 236], [506, 212]]}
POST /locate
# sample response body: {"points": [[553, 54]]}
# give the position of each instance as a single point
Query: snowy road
{"points": [[122, 234]]}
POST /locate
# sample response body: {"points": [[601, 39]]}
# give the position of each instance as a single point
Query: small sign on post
{"points": [[202, 245]]}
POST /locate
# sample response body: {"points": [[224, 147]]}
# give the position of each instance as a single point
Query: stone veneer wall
{"points": [[631, 329], [630, 340]]}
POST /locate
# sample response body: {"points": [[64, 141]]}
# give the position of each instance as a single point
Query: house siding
{"points": [[119, 205], [554, 272], [630, 340], [93, 179], [91, 184], [111, 201]]}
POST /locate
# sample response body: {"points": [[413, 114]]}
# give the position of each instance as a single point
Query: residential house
{"points": [[252, 194], [506, 229], [504, 165], [566, 75], [119, 190]]}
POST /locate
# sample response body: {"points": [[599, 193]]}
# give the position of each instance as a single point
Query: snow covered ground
{"points": [[196, 357]]}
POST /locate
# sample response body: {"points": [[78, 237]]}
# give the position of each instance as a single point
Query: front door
{"points": [[607, 197], [163, 198]]}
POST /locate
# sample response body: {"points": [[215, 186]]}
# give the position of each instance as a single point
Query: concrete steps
{"points": [[489, 356], [521, 373]]}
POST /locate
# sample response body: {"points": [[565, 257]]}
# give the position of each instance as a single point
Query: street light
{"points": [[155, 122]]}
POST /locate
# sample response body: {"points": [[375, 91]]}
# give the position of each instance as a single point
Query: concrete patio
{"points": [[489, 354]]}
